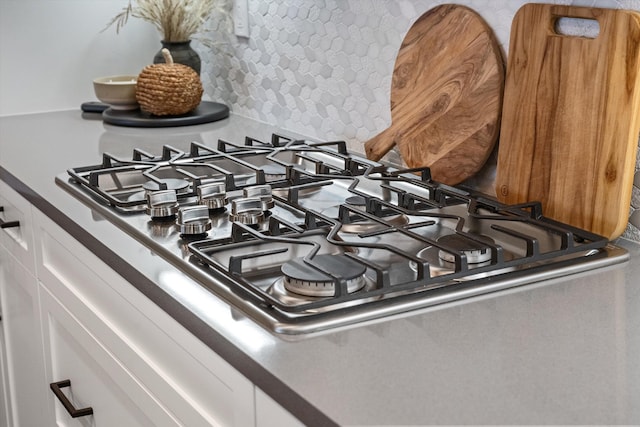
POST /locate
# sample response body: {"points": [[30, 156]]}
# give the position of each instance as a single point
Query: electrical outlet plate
{"points": [[241, 18]]}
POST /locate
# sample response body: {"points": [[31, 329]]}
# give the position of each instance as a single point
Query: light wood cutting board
{"points": [[571, 117], [446, 95]]}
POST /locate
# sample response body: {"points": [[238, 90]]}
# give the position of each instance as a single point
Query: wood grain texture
{"points": [[571, 117], [446, 95]]}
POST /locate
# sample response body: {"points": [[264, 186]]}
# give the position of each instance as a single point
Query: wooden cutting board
{"points": [[446, 95], [572, 116]]}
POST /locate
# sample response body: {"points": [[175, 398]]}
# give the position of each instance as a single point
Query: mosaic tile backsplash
{"points": [[322, 68]]}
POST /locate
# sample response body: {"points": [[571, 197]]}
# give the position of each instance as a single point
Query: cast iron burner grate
{"points": [[255, 259], [123, 183], [251, 221]]}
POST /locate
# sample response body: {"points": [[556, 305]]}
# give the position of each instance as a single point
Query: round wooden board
{"points": [[446, 95]]}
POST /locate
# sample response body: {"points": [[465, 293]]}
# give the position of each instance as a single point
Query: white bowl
{"points": [[119, 92]]}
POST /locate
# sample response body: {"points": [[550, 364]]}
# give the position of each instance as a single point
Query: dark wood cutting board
{"points": [[572, 116], [446, 95]]}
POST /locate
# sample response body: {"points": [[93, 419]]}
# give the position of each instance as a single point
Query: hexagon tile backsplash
{"points": [[322, 68]]}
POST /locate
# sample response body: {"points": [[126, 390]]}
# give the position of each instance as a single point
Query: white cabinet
{"points": [[269, 413], [90, 377], [23, 372], [5, 418], [137, 345], [16, 226]]}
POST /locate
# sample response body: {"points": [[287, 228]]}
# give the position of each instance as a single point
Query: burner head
{"points": [[301, 278], [365, 225], [442, 263], [272, 173], [476, 252], [176, 184], [356, 201]]}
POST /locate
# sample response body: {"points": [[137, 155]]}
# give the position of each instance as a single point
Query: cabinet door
{"points": [[5, 415], [97, 379], [17, 231], [23, 343], [185, 376]]}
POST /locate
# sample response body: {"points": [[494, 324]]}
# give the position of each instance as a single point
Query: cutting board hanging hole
{"points": [[577, 27]]}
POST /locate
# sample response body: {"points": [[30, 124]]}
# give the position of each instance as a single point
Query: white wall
{"points": [[321, 68], [50, 51]]}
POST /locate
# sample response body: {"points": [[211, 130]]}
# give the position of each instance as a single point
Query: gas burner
{"points": [[271, 173], [139, 200], [278, 291], [356, 201], [366, 226], [478, 255], [372, 226], [302, 278], [476, 252], [162, 204], [176, 184], [247, 211], [212, 195], [193, 220]]}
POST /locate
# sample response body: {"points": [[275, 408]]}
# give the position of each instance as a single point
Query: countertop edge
{"points": [[257, 374]]}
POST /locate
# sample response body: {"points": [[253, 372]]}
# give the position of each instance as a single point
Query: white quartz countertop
{"points": [[562, 351]]}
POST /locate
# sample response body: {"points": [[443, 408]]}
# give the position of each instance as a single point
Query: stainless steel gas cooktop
{"points": [[303, 236]]}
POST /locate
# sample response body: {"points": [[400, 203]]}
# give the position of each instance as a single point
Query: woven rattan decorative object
{"points": [[168, 89]]}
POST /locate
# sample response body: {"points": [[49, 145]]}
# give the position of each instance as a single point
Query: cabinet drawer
{"points": [[197, 385], [24, 377], [96, 379], [16, 232]]}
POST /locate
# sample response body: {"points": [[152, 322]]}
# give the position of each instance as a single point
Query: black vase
{"points": [[182, 53]]}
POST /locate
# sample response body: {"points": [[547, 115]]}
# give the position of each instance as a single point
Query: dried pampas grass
{"points": [[178, 20]]}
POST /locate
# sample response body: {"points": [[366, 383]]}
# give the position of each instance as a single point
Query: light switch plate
{"points": [[241, 18]]}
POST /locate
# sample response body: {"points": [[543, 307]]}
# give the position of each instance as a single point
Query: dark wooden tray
{"points": [[206, 112]]}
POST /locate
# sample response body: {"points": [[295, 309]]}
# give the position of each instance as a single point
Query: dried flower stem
{"points": [[176, 20]]}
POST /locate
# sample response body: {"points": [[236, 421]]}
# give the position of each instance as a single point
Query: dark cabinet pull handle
{"points": [[75, 413], [8, 224]]}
